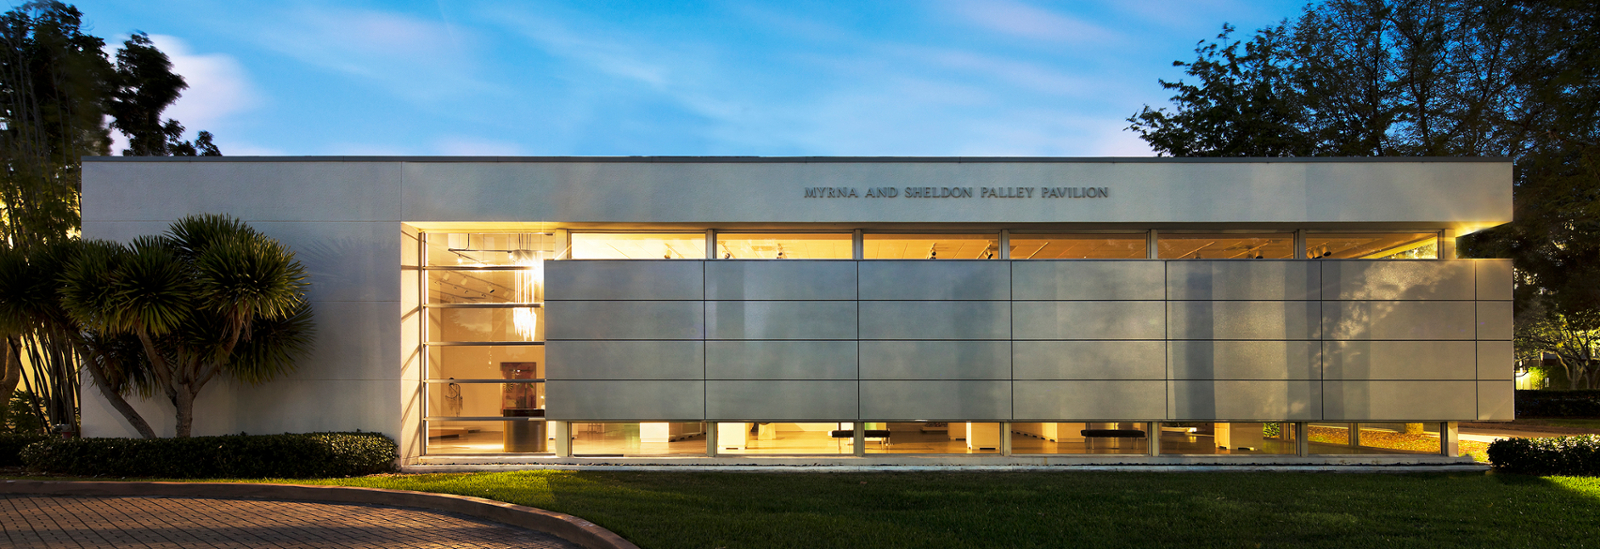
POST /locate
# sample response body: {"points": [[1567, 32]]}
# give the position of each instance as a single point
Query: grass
{"points": [[883, 510]]}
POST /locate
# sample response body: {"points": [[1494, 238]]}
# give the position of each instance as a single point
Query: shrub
{"points": [[234, 456], [1581, 403], [1577, 455], [11, 445]]}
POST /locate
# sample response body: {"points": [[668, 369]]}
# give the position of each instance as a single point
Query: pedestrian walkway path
{"points": [[38, 521]]}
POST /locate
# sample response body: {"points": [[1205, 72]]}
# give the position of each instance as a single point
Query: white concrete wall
{"points": [[344, 218]]}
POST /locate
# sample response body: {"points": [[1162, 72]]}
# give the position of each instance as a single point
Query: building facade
{"points": [[864, 310]]}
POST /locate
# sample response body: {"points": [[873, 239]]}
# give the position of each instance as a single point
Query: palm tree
{"points": [[210, 298]]}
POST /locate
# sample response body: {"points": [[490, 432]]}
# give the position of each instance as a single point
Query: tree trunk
{"points": [[184, 402], [121, 404], [13, 373]]}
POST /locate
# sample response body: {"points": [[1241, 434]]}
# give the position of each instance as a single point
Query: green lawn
{"points": [[1066, 509]]}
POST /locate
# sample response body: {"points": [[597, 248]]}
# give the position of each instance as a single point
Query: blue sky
{"points": [[932, 77]]}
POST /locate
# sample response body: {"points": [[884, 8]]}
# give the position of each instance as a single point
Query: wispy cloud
{"points": [[219, 87], [1024, 21]]}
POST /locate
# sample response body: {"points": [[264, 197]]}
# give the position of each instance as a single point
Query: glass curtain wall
{"points": [[1375, 438], [933, 438], [781, 438], [1419, 245], [638, 245], [931, 246], [784, 245], [1225, 245], [1078, 246], [1228, 438], [1079, 438], [483, 365], [638, 439]]}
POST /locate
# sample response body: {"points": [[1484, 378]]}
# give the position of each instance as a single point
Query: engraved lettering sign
{"points": [[1036, 193]]}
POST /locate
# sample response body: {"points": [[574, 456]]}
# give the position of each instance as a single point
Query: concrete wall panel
{"points": [[1244, 359], [623, 360], [780, 320], [1366, 280], [1415, 320], [1494, 279], [1234, 400], [780, 280], [608, 320], [965, 280], [728, 400], [1265, 280], [780, 360], [1089, 360], [1496, 360], [1494, 320], [1497, 400], [656, 400], [1399, 401], [1086, 400], [1399, 360], [1071, 320], [935, 320], [1291, 320], [936, 400], [935, 360], [1087, 280]]}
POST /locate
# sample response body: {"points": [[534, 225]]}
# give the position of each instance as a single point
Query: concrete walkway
{"points": [[45, 521]]}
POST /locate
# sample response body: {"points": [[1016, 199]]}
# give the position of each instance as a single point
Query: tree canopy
{"points": [[1486, 78]]}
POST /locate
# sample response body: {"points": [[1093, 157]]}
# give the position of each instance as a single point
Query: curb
{"points": [[564, 526]]}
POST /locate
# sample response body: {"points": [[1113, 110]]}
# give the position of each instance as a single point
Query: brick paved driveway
{"points": [[52, 521]]}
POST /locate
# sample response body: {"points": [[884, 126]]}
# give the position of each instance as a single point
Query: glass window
{"points": [[477, 399], [1375, 438], [1227, 438], [484, 324], [1373, 246], [933, 438], [638, 439], [930, 246], [486, 286], [487, 437], [638, 246], [1078, 246], [1225, 246], [1079, 438], [784, 246], [481, 361], [489, 249], [785, 438]]}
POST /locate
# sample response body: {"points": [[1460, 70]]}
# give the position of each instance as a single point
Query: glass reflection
{"points": [[780, 438], [638, 439], [784, 246], [1078, 246], [1225, 246], [933, 438], [1079, 438], [487, 437], [930, 246], [1227, 438], [638, 246], [1375, 438], [493, 249], [1373, 246], [508, 324], [452, 399], [481, 361]]}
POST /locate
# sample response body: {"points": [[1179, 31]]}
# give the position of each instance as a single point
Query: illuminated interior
{"points": [[784, 245], [638, 245], [930, 246], [934, 438], [1079, 438], [1225, 246], [1228, 438], [1375, 438], [1078, 246], [780, 438], [594, 439], [1373, 245]]}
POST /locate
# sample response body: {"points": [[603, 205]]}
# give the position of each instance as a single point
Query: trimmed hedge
{"points": [[11, 445], [1544, 403], [1576, 455], [306, 455]]}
